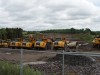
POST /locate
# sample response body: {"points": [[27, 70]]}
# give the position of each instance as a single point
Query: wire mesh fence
{"points": [[63, 64]]}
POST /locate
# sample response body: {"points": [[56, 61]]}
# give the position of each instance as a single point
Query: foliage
{"points": [[85, 37], [71, 31], [12, 69], [10, 33]]}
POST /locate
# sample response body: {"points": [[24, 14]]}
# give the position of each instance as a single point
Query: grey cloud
{"points": [[79, 14], [96, 19], [95, 2], [78, 17], [76, 12], [52, 14], [14, 7], [23, 18], [4, 22]]}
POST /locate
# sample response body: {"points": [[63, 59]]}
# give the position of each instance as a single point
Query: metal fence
{"points": [[64, 63]]}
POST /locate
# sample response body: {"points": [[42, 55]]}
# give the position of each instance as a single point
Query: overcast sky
{"points": [[50, 14]]}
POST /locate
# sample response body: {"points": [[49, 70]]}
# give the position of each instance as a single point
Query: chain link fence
{"points": [[49, 63]]}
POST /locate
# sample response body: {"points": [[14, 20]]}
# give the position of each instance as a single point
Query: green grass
{"points": [[13, 69], [85, 37]]}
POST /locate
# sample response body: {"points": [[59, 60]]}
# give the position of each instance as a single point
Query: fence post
{"points": [[51, 70], [21, 62], [63, 63]]}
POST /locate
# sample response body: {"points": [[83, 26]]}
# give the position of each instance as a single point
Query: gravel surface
{"points": [[56, 68], [50, 67]]}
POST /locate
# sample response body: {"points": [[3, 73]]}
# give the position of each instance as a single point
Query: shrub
{"points": [[7, 68]]}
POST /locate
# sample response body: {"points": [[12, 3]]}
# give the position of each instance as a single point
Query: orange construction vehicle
{"points": [[16, 43], [96, 41], [43, 43], [4, 44], [59, 43], [28, 43], [0, 43]]}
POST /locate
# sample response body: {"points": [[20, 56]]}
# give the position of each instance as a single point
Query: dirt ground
{"points": [[8, 54], [49, 68], [28, 55]]}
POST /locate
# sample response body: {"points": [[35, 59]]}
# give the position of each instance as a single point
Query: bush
{"points": [[13, 69], [85, 37]]}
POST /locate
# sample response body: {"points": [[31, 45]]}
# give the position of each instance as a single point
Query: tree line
{"points": [[72, 31], [10, 33]]}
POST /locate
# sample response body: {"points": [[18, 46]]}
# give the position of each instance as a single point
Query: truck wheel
{"points": [[32, 47], [95, 46], [55, 48], [51, 47], [46, 47], [65, 47], [13, 47]]}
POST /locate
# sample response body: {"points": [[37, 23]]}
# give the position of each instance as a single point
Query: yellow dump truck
{"points": [[43, 44], [96, 42], [16, 43], [0, 43], [4, 44], [59, 43], [28, 43], [8, 41]]}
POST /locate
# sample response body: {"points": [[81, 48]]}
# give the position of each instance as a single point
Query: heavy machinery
{"points": [[8, 41], [28, 43], [43, 43], [4, 44], [59, 43], [0, 43], [16, 43], [96, 42], [72, 44]]}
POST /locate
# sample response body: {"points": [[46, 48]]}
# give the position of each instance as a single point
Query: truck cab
{"points": [[4, 44], [43, 43], [28, 43], [96, 41], [16, 43], [59, 43]]}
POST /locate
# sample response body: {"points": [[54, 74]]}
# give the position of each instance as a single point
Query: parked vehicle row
{"points": [[41, 43]]}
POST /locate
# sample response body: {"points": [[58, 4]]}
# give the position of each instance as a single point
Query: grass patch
{"points": [[7, 68], [85, 37]]}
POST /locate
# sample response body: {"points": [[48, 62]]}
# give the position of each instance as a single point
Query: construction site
{"points": [[49, 37], [53, 54]]}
